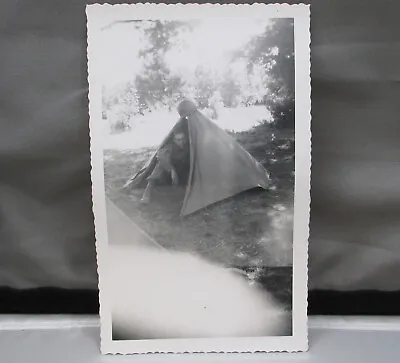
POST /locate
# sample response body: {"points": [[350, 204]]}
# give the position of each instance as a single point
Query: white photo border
{"points": [[100, 14]]}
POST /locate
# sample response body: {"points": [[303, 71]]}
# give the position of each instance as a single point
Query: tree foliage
{"points": [[261, 73], [157, 85], [274, 51]]}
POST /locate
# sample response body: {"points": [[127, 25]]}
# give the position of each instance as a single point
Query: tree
{"points": [[120, 105], [274, 50], [230, 89], [204, 87], [157, 85]]}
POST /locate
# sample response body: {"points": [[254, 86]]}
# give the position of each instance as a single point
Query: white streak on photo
{"points": [[156, 294]]}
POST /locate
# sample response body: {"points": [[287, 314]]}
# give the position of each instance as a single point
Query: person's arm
{"points": [[164, 158]]}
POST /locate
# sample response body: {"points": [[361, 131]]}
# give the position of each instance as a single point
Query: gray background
{"points": [[46, 223]]}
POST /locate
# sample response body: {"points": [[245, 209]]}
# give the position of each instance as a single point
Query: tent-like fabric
{"points": [[219, 166]]}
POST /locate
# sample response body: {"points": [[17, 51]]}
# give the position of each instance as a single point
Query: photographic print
{"points": [[200, 151]]}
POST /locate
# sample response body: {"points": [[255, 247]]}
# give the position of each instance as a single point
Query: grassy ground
{"points": [[251, 230]]}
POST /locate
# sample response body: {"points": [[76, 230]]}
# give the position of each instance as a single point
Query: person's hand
{"points": [[175, 179]]}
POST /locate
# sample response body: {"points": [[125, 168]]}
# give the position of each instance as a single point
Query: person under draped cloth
{"points": [[173, 161]]}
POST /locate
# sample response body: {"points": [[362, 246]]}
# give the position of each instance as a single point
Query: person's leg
{"points": [[156, 176], [182, 170], [147, 192]]}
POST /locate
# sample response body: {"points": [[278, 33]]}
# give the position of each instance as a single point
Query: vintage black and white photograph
{"points": [[200, 144]]}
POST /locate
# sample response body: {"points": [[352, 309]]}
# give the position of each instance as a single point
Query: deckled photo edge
{"points": [[299, 340], [96, 172], [302, 198]]}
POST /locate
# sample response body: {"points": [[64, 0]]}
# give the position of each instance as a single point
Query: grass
{"points": [[250, 231]]}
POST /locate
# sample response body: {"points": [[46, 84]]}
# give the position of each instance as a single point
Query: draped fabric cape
{"points": [[219, 166]]}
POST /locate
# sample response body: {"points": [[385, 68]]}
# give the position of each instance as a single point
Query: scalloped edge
{"points": [[303, 196]]}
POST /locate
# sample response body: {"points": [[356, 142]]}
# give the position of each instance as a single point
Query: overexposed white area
{"points": [[150, 129], [278, 239], [159, 294], [207, 45]]}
